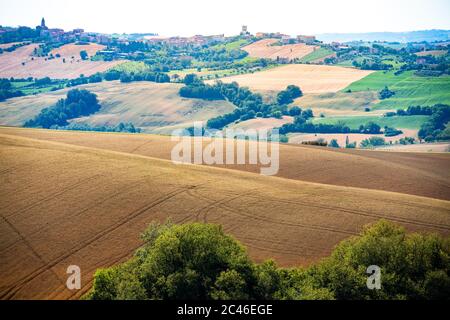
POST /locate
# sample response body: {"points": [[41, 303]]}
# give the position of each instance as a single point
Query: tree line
{"points": [[7, 91], [248, 104], [121, 127], [301, 124], [77, 103], [200, 262], [436, 127], [411, 111], [123, 76]]}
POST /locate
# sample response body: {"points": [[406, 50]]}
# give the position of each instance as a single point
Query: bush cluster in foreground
{"points": [[200, 261]]}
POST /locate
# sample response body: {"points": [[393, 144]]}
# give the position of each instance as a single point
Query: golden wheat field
{"points": [[22, 64], [422, 174], [83, 198], [73, 50], [310, 78]]}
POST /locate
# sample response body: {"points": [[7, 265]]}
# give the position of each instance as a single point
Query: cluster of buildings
{"points": [[195, 40], [285, 39], [60, 35]]}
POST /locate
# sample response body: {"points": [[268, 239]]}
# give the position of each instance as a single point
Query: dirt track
{"points": [[63, 204]]}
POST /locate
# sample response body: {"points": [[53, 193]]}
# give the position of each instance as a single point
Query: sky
{"points": [[189, 17]]}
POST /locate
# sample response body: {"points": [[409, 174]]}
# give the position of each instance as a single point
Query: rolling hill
{"points": [[22, 64], [64, 204], [154, 107], [269, 49], [410, 90], [416, 173], [310, 78]]}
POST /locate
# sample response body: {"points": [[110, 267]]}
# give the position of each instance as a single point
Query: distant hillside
{"points": [[153, 107], [411, 36]]}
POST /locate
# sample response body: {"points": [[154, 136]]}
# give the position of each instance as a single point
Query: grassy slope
{"points": [[231, 45], [318, 54], [101, 201], [410, 89], [342, 101], [132, 66], [411, 122], [152, 106]]}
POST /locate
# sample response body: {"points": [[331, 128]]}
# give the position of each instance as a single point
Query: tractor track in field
{"points": [[213, 203], [280, 222], [52, 223], [30, 247], [53, 195], [23, 281], [298, 248], [365, 213]]}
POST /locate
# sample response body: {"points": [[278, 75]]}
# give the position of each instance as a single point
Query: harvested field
{"points": [[21, 64], [262, 123], [353, 137], [340, 103], [154, 107], [73, 50], [67, 205], [435, 53], [412, 173], [310, 78], [266, 49], [424, 147]]}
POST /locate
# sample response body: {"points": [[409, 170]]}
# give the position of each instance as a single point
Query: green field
{"points": [[318, 54], [29, 87], [231, 45], [409, 89], [408, 122], [132, 67]]}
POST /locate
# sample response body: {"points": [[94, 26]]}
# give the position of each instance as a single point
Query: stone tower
{"points": [[43, 23]]}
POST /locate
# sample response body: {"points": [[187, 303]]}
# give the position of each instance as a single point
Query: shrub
{"points": [[372, 142], [333, 144], [295, 111], [386, 93], [78, 103], [318, 142]]}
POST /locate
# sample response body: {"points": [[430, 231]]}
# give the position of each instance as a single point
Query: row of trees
{"points": [[199, 261], [301, 124], [121, 127], [7, 91], [123, 76], [19, 34], [412, 111], [249, 105], [77, 103]]}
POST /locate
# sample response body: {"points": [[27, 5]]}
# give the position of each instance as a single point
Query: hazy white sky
{"points": [[188, 17]]}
